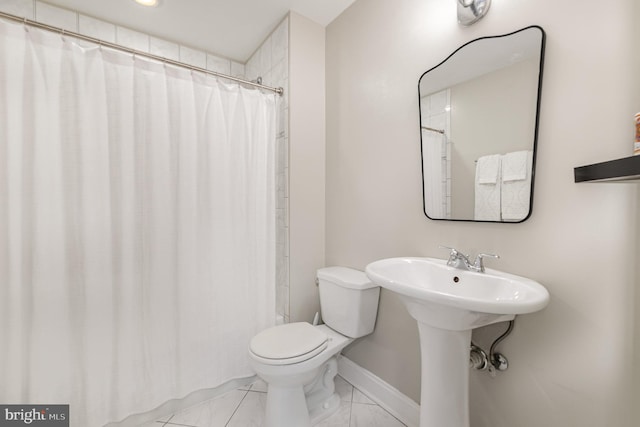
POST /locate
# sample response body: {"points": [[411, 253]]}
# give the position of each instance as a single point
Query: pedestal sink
{"points": [[448, 303]]}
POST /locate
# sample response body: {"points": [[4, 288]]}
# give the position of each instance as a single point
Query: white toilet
{"points": [[298, 361]]}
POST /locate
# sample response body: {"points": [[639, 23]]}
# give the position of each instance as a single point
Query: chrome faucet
{"points": [[457, 259], [461, 261]]}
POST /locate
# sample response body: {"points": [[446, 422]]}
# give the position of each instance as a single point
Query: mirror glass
{"points": [[479, 124]]}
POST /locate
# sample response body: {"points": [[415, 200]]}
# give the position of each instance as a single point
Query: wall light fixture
{"points": [[471, 11]]}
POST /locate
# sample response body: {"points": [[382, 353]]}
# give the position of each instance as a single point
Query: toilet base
{"points": [[304, 406], [330, 407], [322, 399], [303, 394], [286, 406]]}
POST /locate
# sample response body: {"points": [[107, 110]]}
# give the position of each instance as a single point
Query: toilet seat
{"points": [[288, 344]]}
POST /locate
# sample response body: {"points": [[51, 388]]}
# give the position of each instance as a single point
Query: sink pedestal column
{"points": [[444, 399]]}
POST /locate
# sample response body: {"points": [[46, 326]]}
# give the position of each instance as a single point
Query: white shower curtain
{"points": [[137, 227], [434, 165]]}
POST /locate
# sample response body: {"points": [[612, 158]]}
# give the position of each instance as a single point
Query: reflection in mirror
{"points": [[479, 122]]}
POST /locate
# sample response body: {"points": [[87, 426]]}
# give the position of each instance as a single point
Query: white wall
{"points": [[307, 163], [636, 337], [294, 57], [571, 364]]}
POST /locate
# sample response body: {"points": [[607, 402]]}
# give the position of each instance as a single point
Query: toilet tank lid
{"points": [[347, 277]]}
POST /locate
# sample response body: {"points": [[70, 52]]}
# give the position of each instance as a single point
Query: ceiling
{"points": [[229, 28]]}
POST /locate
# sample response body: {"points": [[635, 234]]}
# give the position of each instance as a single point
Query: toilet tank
{"points": [[348, 300]]}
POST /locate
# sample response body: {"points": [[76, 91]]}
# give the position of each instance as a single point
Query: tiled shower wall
{"points": [[270, 61], [88, 26], [436, 114]]}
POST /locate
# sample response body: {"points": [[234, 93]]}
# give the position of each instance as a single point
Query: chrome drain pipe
{"points": [[478, 358]]}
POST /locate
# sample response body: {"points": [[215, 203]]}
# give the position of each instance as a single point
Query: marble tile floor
{"points": [[244, 407]]}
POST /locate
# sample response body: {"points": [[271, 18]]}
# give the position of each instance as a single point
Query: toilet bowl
{"points": [[298, 361]]}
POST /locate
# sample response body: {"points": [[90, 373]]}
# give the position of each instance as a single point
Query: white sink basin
{"points": [[448, 303], [430, 279]]}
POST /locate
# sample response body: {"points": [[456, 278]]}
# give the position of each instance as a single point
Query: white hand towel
{"points": [[514, 166], [516, 189], [488, 169], [487, 188]]}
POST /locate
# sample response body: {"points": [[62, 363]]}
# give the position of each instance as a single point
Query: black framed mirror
{"points": [[479, 112]]}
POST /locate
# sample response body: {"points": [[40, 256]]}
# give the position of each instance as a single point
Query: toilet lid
{"points": [[289, 343]]}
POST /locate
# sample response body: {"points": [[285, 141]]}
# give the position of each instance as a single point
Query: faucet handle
{"points": [[453, 254], [478, 265], [453, 250]]}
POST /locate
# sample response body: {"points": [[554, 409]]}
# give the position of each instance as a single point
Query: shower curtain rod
{"points": [[110, 45], [440, 131]]}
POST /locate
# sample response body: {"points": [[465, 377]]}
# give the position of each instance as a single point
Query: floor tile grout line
{"points": [[375, 404], [365, 395], [350, 401], [256, 391], [237, 407], [164, 423], [179, 425]]}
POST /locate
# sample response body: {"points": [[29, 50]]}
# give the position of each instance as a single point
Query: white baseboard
{"points": [[389, 398]]}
